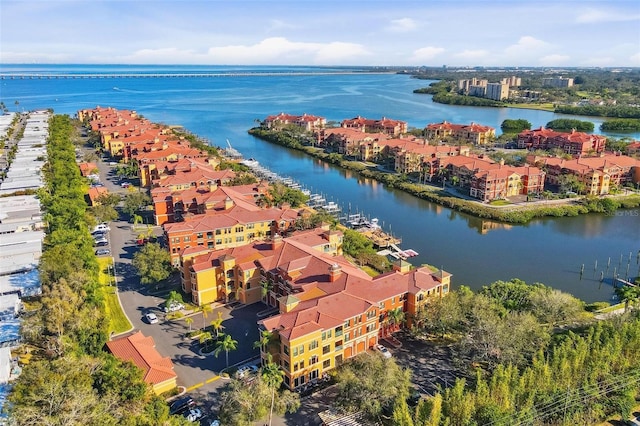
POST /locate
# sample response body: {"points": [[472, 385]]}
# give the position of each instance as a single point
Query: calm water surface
{"points": [[550, 251]]}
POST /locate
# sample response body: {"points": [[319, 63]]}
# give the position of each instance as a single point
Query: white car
{"points": [[173, 307], [151, 318], [193, 414], [384, 351], [102, 227]]}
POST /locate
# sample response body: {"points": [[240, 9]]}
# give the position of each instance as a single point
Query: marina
{"points": [[370, 228]]}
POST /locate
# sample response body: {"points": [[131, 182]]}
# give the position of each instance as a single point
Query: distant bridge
{"points": [[50, 76]]}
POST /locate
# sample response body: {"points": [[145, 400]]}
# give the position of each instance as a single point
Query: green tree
{"points": [[104, 213], [401, 415], [189, 321], [174, 297], [396, 317], [206, 309], [354, 243], [135, 202], [216, 324], [226, 344], [152, 263], [568, 124], [515, 126], [429, 411], [371, 383], [273, 376]]}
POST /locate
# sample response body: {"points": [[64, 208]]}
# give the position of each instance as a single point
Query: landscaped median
{"points": [[118, 321]]}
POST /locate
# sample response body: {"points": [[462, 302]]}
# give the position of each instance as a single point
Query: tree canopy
{"points": [[153, 263], [568, 124]]}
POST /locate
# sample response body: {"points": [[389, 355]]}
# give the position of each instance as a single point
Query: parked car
{"points": [[103, 252], [175, 306], [181, 405], [100, 235], [102, 243], [243, 372], [151, 318], [384, 351], [125, 185], [193, 414], [102, 227]]}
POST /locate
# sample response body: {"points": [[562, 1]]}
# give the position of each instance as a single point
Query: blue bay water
{"points": [[550, 251]]}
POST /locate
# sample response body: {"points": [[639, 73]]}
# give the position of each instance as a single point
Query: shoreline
{"points": [[512, 213]]}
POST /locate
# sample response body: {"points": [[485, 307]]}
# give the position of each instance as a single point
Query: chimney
{"points": [[228, 203], [502, 161], [276, 241], [334, 272]]}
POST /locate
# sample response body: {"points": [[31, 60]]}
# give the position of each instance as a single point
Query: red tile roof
{"points": [[141, 351]]}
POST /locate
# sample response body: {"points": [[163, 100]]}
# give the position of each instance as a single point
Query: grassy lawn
{"points": [[543, 107], [118, 321], [499, 203], [610, 308]]}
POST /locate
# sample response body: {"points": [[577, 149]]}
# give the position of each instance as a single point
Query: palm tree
{"points": [[216, 324], [205, 338], [396, 316], [206, 310], [273, 377], [266, 341], [189, 321], [227, 344], [265, 287]]}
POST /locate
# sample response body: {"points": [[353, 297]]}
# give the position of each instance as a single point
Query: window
{"points": [[285, 349], [313, 360], [371, 314], [239, 239], [370, 328], [313, 345], [326, 364], [186, 239], [326, 349]]}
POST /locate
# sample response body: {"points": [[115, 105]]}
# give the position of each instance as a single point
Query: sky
{"points": [[525, 33]]}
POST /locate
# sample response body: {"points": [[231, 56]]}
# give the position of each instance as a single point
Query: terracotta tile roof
{"points": [[87, 168], [473, 127], [95, 192], [141, 351]]}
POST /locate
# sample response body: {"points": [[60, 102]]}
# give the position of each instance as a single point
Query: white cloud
{"points": [[279, 50], [635, 59], [554, 60], [525, 45], [28, 57], [591, 16], [425, 54], [403, 25]]}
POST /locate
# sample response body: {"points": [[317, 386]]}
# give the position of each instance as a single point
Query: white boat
{"points": [[251, 163]]}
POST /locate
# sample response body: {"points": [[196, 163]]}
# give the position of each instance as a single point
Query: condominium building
{"points": [[497, 91], [574, 143], [558, 82], [473, 133]]}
